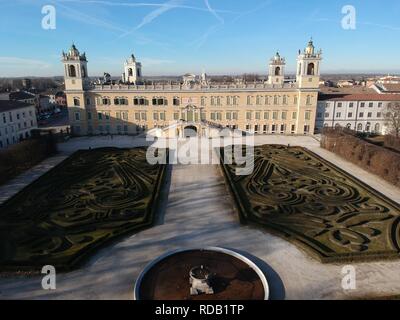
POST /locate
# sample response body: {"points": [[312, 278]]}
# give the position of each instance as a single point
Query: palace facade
{"points": [[134, 106]]}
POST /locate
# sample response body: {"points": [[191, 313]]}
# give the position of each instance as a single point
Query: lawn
{"points": [[305, 199], [87, 201]]}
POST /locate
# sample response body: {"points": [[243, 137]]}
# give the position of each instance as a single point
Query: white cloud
{"points": [[148, 62], [23, 63], [167, 6]]}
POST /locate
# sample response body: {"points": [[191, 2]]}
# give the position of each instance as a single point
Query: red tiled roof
{"points": [[359, 97], [391, 87]]}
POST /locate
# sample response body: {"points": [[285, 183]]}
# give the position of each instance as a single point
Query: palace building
{"points": [[134, 105]]}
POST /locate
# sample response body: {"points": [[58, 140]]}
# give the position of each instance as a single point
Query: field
{"points": [[305, 199], [88, 200]]}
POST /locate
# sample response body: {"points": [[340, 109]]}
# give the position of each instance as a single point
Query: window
{"points": [[359, 127], [277, 71], [266, 115], [361, 115], [155, 116], [319, 115], [351, 105], [311, 69], [275, 100], [285, 100], [338, 114], [362, 105], [176, 116], [77, 116], [294, 115], [284, 115], [380, 105], [371, 104], [249, 100], [228, 116], [379, 115], [100, 116], [89, 116], [306, 129], [377, 127], [275, 115], [307, 115], [72, 71], [139, 101], [106, 101], [258, 115], [308, 102], [203, 101], [176, 102], [350, 114], [248, 115], [120, 101], [88, 101], [340, 105], [77, 103], [369, 115]]}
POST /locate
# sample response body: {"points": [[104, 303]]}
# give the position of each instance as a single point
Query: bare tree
{"points": [[392, 118]]}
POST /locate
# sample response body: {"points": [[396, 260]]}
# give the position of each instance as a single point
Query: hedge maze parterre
{"points": [[89, 199], [300, 196]]}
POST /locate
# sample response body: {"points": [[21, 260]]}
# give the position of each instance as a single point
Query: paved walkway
{"points": [[200, 212]]}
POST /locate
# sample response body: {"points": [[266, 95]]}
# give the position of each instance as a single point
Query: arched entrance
{"points": [[190, 131]]}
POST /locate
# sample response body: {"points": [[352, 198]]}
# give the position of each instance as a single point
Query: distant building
{"points": [[17, 120], [26, 83], [359, 112], [386, 88], [61, 99], [23, 96], [389, 80], [345, 83]]}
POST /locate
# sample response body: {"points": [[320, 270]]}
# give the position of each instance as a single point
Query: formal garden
{"points": [[90, 199], [303, 198]]}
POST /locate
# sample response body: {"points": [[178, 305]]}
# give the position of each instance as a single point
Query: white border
{"points": [[136, 292]]}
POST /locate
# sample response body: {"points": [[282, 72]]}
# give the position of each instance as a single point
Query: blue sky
{"points": [[172, 37]]}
